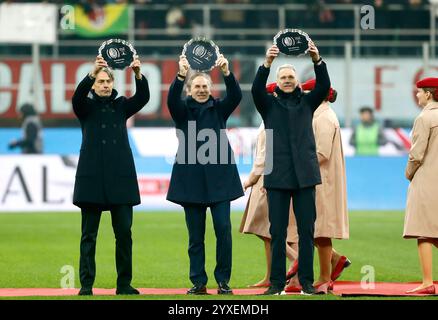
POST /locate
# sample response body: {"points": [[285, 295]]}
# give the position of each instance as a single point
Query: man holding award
{"points": [[295, 170], [105, 176], [204, 178]]}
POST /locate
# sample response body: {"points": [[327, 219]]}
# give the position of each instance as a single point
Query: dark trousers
{"points": [[121, 218], [195, 220], [305, 215]]}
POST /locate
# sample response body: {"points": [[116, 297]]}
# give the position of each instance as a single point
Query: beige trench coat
{"points": [[331, 195], [255, 219], [421, 219]]}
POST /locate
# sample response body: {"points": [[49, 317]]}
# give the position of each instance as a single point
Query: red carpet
{"points": [[341, 288], [23, 292], [393, 289]]}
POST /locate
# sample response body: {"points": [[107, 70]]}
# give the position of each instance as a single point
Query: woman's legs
{"points": [[265, 281], [425, 255], [324, 246], [291, 252]]}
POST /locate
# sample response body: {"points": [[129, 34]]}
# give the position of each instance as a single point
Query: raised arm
{"points": [[322, 85], [135, 103], [175, 104], [258, 90], [79, 100], [234, 94], [141, 97]]}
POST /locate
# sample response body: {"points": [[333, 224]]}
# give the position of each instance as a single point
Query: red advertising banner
{"points": [[57, 80]]}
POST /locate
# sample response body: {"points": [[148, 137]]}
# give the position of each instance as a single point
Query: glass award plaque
{"points": [[292, 42], [118, 53], [201, 54]]}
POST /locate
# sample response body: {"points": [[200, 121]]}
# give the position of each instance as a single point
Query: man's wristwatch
{"points": [[319, 60]]}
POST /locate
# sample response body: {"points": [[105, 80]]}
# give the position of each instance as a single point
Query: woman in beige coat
{"points": [[421, 219], [255, 220], [331, 196]]}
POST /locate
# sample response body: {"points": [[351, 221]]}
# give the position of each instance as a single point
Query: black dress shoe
{"points": [[223, 288], [85, 292], [198, 289], [127, 290], [272, 291], [307, 289]]}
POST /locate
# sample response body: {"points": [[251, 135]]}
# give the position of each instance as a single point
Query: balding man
{"points": [[205, 177], [295, 170]]}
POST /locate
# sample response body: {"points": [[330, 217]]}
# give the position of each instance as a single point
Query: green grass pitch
{"points": [[35, 246]]}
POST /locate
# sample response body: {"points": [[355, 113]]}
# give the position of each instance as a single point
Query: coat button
{"points": [[103, 126], [103, 141], [114, 141]]}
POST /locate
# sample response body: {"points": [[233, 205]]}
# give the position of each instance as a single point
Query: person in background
{"points": [[421, 218], [32, 140], [368, 134]]}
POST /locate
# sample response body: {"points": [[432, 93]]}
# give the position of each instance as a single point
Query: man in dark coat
{"points": [[105, 176], [295, 170], [32, 140], [205, 174]]}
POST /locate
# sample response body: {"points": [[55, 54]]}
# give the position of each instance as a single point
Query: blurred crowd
{"points": [[174, 21], [311, 2], [411, 14]]}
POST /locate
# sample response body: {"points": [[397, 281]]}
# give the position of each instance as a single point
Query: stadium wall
{"points": [[374, 82], [45, 183]]}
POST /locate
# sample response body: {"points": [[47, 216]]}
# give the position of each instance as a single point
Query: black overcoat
{"points": [[106, 173], [289, 115], [203, 174]]}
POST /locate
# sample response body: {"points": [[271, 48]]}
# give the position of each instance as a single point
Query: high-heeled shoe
{"points": [[343, 263], [323, 287], [293, 288], [428, 290], [293, 270]]}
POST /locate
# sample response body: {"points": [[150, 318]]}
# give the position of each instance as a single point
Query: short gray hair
{"points": [[199, 74], [285, 66]]}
